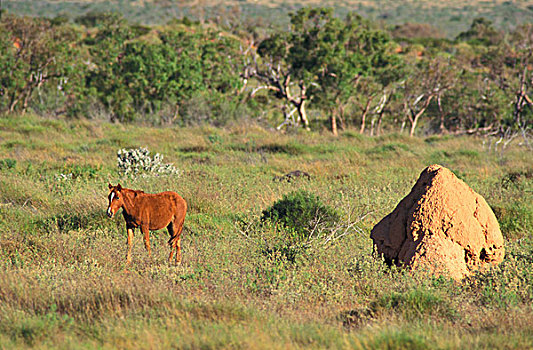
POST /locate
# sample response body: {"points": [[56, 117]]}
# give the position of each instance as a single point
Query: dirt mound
{"points": [[442, 226]]}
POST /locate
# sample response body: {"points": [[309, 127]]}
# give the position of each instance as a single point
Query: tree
{"points": [[507, 66], [523, 106], [208, 67], [274, 73], [104, 81], [34, 53], [322, 59], [147, 70], [160, 75], [428, 80], [481, 32]]}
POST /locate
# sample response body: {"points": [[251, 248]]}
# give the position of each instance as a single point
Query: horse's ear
{"points": [[110, 186], [119, 188]]}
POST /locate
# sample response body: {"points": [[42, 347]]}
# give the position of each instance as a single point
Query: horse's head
{"points": [[115, 200]]}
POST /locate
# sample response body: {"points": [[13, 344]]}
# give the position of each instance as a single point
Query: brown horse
{"points": [[149, 212]]}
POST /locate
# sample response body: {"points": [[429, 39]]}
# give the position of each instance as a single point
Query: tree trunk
{"points": [[413, 127], [442, 127], [22, 96], [333, 121], [26, 100], [341, 117], [363, 117], [415, 117], [13, 103], [380, 118], [303, 114], [363, 121]]}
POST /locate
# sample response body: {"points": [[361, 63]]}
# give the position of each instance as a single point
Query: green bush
{"points": [[517, 179], [66, 222], [398, 340], [508, 284], [7, 163], [302, 214], [415, 303], [412, 304], [515, 219], [80, 171]]}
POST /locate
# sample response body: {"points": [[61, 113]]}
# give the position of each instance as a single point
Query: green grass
{"points": [[64, 282]]}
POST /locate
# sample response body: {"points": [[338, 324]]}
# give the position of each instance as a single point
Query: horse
{"points": [[150, 212]]}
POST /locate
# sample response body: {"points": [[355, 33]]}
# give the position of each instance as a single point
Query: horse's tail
{"points": [[176, 231]]}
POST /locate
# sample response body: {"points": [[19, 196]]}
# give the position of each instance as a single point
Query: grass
{"points": [[64, 282]]}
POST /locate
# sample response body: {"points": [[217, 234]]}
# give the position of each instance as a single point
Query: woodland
{"points": [[326, 71]]}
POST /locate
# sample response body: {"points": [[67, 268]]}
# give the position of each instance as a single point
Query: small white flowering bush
{"points": [[63, 177], [137, 161]]}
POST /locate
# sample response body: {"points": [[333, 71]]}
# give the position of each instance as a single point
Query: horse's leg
{"points": [[146, 233], [170, 229], [175, 240], [178, 228], [178, 248], [130, 243]]}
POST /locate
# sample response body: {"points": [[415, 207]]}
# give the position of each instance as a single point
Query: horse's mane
{"points": [[136, 192]]}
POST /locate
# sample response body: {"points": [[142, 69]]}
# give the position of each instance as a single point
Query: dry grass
{"points": [[64, 282]]}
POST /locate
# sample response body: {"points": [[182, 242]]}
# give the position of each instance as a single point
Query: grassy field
{"points": [[64, 282], [451, 17]]}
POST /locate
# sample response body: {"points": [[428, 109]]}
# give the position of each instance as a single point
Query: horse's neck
{"points": [[129, 201]]}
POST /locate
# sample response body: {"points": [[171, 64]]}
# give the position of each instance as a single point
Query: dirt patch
{"points": [[441, 226]]}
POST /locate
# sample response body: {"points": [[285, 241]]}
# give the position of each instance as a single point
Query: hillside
{"points": [[450, 16]]}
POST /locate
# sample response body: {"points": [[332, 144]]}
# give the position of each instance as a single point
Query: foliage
{"points": [[481, 32], [36, 55], [93, 19], [328, 67], [7, 163], [103, 80], [138, 77], [302, 214], [515, 218], [326, 56]]}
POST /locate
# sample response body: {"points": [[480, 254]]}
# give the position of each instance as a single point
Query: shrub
{"points": [[411, 305], [136, 161], [507, 284], [7, 163], [515, 219], [301, 214], [516, 179], [76, 171], [415, 303]]}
